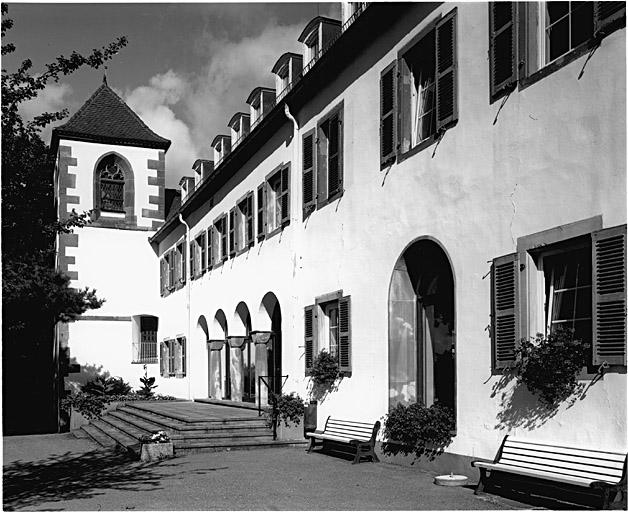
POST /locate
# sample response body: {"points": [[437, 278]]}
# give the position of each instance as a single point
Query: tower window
{"points": [[111, 183]]}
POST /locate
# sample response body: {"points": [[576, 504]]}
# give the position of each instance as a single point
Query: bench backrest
{"points": [[563, 460], [349, 429]]}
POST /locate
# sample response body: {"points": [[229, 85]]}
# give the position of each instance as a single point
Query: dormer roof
{"points": [[236, 117], [219, 138], [281, 61], [313, 23], [257, 92], [106, 118]]}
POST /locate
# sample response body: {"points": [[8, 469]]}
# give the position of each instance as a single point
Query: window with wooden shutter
{"points": [[309, 174], [344, 334], [505, 310], [446, 72], [609, 295], [179, 362], [285, 195], [261, 211], [609, 16], [232, 231], [192, 252], [171, 269], [162, 277], [502, 48], [202, 241], [321, 166], [250, 238], [310, 337], [329, 157], [223, 238], [182, 259], [211, 249], [163, 359], [387, 124]]}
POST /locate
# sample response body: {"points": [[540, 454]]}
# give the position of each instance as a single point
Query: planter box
{"points": [[150, 452]]}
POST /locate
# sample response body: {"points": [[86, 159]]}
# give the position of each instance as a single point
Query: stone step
{"points": [[121, 438], [220, 447], [124, 426], [167, 422], [144, 424], [98, 436], [182, 418]]}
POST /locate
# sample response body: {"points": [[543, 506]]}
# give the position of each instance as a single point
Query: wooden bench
{"points": [[358, 434], [602, 471]]}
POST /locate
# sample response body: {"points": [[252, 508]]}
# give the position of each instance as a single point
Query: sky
{"points": [[187, 68]]}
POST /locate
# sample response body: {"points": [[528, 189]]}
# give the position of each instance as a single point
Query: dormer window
{"points": [[287, 71], [312, 46], [261, 100], [282, 79], [316, 37], [222, 147], [240, 125], [256, 110]]}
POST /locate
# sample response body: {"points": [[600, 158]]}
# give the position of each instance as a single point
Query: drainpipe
{"points": [[187, 287]]}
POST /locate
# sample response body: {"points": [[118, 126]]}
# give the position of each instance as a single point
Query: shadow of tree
{"points": [[71, 476]]}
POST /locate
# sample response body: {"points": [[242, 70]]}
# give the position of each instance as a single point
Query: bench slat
{"points": [[565, 460], [594, 472], [349, 432], [559, 471], [351, 422], [565, 450], [341, 439], [582, 482]]}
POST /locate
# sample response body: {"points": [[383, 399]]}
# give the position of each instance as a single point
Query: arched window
{"points": [[111, 183]]}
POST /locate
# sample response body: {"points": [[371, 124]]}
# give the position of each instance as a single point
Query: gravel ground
{"points": [[59, 472]]}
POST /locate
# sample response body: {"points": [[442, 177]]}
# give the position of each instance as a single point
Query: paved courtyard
{"points": [[59, 472]]}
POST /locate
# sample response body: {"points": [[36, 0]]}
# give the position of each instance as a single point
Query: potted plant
{"points": [[418, 430], [156, 446]]}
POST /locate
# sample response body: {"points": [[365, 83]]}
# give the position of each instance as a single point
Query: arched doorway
{"points": [[202, 338], [269, 354], [421, 328], [248, 379], [220, 360]]}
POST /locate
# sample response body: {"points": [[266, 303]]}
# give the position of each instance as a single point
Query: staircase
{"points": [[193, 427]]}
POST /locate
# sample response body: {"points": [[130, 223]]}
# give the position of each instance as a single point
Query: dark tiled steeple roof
{"points": [[106, 118]]}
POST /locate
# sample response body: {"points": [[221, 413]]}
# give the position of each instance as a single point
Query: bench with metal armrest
{"points": [[358, 434]]}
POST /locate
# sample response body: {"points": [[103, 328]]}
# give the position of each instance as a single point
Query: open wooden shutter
{"points": [[505, 310], [285, 195], [321, 163], [608, 16], [171, 269], [163, 359], [178, 357], [210, 247], [261, 211], [387, 124], [249, 220], [609, 295], [310, 337], [192, 261], [446, 72], [502, 47], [233, 246], [183, 262], [223, 238], [203, 258], [309, 174], [162, 277], [344, 334], [404, 109]]}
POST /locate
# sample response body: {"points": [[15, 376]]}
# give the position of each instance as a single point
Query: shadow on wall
{"points": [[88, 372], [519, 408]]}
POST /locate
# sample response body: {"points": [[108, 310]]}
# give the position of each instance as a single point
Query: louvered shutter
{"points": [[309, 174], [609, 295], [344, 334], [387, 124], [178, 357], [321, 164], [233, 246], [223, 238], [171, 267], [210, 247], [183, 262], [285, 195], [505, 310], [203, 252], [310, 337], [249, 220], [162, 276], [192, 262], [446, 72], [163, 359], [261, 212], [502, 47], [607, 15]]}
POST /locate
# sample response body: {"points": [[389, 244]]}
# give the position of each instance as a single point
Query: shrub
{"points": [[106, 386], [417, 429], [287, 408], [117, 386], [89, 405], [325, 370], [549, 365]]}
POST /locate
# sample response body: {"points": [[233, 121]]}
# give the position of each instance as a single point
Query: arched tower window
{"points": [[110, 174]]}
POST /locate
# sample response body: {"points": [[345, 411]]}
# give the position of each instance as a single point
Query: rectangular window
{"points": [[573, 277], [211, 246], [193, 268], [145, 340], [220, 240], [233, 241], [173, 357], [244, 223], [276, 200], [328, 327], [329, 161], [528, 41], [309, 173], [201, 251], [261, 211], [180, 274], [170, 263]]}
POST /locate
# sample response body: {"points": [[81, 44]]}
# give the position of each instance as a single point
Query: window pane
{"points": [[581, 22], [556, 10], [570, 304], [558, 39]]}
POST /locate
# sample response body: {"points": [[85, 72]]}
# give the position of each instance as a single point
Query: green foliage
{"points": [[148, 384], [325, 370], [88, 404], [287, 408], [106, 386], [549, 365], [418, 430]]}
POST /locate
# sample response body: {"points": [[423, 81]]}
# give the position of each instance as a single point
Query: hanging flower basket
{"points": [[236, 341], [216, 344]]}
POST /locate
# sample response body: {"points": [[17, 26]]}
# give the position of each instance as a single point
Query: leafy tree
{"points": [[35, 295]]}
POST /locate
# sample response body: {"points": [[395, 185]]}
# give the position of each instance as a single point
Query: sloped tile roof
{"points": [[105, 117]]}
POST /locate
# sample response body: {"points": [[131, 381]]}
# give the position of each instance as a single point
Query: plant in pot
{"points": [[418, 430], [155, 446], [549, 365], [324, 375], [148, 384], [288, 409]]}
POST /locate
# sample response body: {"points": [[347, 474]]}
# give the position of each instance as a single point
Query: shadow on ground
{"points": [[71, 476]]}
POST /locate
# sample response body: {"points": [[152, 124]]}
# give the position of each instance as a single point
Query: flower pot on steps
{"points": [[150, 452]]}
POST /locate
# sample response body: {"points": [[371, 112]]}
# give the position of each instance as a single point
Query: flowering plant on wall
{"points": [[549, 365]]}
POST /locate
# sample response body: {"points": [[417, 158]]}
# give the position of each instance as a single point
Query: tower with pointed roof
{"points": [[110, 163]]}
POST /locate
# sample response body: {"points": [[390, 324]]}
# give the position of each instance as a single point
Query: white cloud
{"points": [[53, 98], [153, 103]]}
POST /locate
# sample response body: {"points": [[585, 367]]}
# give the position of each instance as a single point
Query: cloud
{"points": [[154, 104], [233, 71], [53, 98]]}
